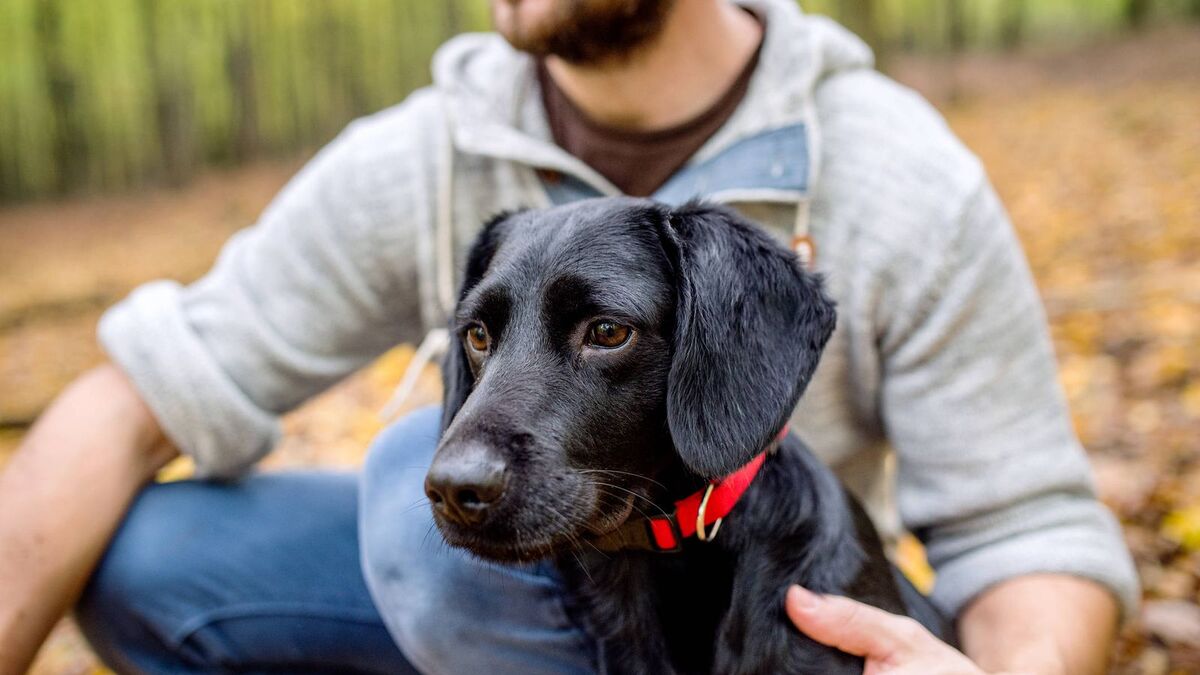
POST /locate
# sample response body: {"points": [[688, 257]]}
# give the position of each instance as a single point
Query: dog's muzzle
{"points": [[465, 481]]}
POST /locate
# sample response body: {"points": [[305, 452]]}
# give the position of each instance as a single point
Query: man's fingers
{"points": [[851, 626]]}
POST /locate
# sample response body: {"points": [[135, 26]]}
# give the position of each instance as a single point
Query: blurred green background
{"points": [[108, 94], [101, 95]]}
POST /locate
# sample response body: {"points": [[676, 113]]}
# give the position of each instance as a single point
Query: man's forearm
{"points": [[62, 496], [1045, 624]]}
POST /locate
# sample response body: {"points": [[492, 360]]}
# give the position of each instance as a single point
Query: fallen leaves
{"points": [[1183, 527], [1173, 621]]}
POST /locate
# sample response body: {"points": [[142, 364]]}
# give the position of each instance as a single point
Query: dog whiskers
{"points": [[596, 549], [624, 473], [573, 540], [420, 502], [425, 539], [582, 566], [626, 490], [619, 502]]}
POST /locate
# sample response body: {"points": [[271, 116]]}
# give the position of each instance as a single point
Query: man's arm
{"points": [[1068, 635], [991, 476], [62, 496], [1044, 624], [325, 281]]}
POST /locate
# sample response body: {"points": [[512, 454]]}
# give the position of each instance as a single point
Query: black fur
{"points": [[750, 326], [727, 331]]}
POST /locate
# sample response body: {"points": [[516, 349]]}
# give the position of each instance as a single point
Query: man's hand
{"points": [[890, 644]]}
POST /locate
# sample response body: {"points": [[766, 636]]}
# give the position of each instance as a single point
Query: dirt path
{"points": [[1095, 151]]}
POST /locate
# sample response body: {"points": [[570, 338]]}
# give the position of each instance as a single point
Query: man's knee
{"points": [[395, 523], [414, 594], [402, 553], [449, 611]]}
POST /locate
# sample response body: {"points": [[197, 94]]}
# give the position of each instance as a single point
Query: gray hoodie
{"points": [[941, 363]]}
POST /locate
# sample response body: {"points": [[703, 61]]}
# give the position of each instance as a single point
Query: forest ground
{"points": [[1095, 150]]}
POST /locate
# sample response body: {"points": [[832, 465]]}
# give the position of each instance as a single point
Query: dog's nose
{"points": [[464, 483]]}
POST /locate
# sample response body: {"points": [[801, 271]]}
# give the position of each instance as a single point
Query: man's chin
{"points": [[591, 33], [525, 24]]}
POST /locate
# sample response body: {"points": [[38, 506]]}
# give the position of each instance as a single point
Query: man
{"points": [[941, 352]]}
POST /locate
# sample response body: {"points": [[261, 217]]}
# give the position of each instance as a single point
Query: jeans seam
{"points": [[264, 609]]}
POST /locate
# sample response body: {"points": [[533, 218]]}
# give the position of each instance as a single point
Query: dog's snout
{"points": [[464, 483]]}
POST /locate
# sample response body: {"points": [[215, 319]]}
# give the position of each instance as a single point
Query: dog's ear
{"points": [[750, 327], [457, 379]]}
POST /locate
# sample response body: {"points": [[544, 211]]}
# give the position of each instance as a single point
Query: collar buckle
{"points": [[700, 533]]}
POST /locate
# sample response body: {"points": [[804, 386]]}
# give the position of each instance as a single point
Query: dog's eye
{"points": [[477, 337], [608, 334]]}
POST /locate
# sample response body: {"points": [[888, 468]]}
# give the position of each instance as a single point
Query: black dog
{"points": [[612, 357]]}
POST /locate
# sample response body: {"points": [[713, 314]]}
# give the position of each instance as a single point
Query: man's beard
{"points": [[587, 32]]}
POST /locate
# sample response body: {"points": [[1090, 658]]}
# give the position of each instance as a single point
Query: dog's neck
{"points": [[676, 482], [698, 514]]}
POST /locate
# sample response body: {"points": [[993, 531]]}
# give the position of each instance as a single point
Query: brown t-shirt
{"points": [[637, 162]]}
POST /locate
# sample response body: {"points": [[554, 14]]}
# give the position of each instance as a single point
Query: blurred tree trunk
{"points": [[172, 105], [859, 16], [956, 41], [1136, 12], [454, 19], [956, 26], [241, 71], [1012, 28]]}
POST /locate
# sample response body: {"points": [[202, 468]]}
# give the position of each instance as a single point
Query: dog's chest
{"points": [[649, 608]]}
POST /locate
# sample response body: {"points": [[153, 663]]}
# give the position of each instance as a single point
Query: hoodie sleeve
{"points": [[325, 281], [991, 475]]}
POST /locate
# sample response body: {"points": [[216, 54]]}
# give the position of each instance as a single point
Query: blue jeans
{"points": [[320, 572]]}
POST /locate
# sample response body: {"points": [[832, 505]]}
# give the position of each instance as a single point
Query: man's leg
{"points": [[449, 612], [260, 575]]}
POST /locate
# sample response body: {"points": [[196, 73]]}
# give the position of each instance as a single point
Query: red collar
{"points": [[699, 513]]}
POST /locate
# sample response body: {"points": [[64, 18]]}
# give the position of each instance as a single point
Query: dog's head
{"points": [[601, 346]]}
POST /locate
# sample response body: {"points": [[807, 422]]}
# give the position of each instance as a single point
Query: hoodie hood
{"points": [[495, 107]]}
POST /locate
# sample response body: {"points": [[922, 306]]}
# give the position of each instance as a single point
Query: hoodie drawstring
{"points": [[437, 340]]}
